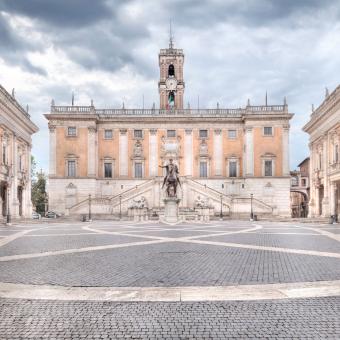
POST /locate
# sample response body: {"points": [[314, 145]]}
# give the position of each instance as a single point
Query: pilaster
{"points": [[285, 151], [249, 145], [188, 152], [123, 153], [52, 167], [218, 152], [325, 201], [91, 151], [153, 153]]}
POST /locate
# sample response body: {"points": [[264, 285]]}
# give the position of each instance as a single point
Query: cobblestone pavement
{"points": [[316, 318], [218, 254]]}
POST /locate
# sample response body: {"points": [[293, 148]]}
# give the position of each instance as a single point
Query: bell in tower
{"points": [[171, 84]]}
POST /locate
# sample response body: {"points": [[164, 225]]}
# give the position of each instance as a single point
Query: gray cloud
{"points": [[234, 50], [204, 13], [61, 13], [13, 48]]}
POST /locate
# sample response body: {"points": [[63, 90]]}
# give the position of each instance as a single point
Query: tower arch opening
{"points": [[171, 70]]}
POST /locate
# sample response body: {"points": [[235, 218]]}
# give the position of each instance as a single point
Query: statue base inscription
{"points": [[171, 209]]}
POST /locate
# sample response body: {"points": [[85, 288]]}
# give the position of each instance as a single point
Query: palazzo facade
{"points": [[224, 155], [324, 145], [16, 130]]}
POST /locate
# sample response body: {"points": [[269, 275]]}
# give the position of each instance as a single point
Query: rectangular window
{"points": [[303, 182], [71, 168], [232, 169], [138, 133], [72, 131], [108, 170], [203, 169], [108, 134], [171, 133], [138, 170], [336, 154], [268, 131], [203, 133], [232, 134], [268, 168]]}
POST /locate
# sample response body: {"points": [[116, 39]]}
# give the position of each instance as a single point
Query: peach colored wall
{"points": [[233, 147], [267, 144], [108, 148], [72, 145]]}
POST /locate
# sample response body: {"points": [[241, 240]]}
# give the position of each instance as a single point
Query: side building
{"points": [[324, 145], [16, 130], [299, 191], [224, 155]]}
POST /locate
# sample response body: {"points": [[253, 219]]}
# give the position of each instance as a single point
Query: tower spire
{"points": [[171, 40]]}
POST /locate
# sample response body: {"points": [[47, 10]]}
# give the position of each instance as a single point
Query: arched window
{"points": [[171, 99], [171, 70]]}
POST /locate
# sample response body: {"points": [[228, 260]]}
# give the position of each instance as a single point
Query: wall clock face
{"points": [[171, 84]]}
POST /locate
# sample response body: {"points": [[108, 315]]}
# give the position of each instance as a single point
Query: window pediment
{"points": [[268, 155]]}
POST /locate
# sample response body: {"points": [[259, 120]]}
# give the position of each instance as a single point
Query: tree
{"points": [[33, 169], [38, 194]]}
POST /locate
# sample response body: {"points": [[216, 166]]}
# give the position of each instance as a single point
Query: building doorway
{"points": [[3, 195], [20, 190], [321, 194]]}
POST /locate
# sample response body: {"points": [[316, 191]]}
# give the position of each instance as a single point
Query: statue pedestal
{"points": [[138, 214], [171, 209], [204, 213]]}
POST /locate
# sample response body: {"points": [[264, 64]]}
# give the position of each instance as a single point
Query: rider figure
{"points": [[171, 171]]}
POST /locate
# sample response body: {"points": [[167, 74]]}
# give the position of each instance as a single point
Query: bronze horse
{"points": [[171, 179]]}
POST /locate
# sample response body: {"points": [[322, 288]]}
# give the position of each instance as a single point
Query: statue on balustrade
{"points": [[171, 179]]}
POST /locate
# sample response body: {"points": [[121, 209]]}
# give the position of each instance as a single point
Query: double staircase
{"points": [[117, 205]]}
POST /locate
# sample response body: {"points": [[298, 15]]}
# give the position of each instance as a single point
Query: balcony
{"points": [[334, 168]]}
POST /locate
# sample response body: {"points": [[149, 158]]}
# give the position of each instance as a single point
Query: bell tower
{"points": [[171, 84]]}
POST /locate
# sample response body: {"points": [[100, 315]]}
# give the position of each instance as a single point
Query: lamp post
{"points": [[120, 207], [251, 208], [90, 217], [221, 212]]}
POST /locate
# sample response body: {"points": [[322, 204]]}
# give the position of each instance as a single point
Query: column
{"points": [[325, 201], [53, 170], [332, 198], [285, 151], [218, 152], [153, 153], [91, 151], [27, 202], [123, 153], [14, 178], [311, 203], [249, 152], [188, 152]]}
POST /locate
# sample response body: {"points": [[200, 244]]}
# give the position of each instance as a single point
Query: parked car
{"points": [[52, 214], [36, 216]]}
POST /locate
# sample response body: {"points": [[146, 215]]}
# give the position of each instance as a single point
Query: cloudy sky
{"points": [[108, 51]]}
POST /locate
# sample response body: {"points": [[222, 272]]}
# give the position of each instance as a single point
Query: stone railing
{"points": [[72, 109], [327, 104], [158, 112], [335, 167]]}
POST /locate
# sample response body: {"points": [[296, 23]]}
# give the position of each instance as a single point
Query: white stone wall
{"points": [[274, 192]]}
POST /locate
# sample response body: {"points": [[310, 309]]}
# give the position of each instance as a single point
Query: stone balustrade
{"points": [[182, 112]]}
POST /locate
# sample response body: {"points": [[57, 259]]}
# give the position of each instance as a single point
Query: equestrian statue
{"points": [[171, 179]]}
